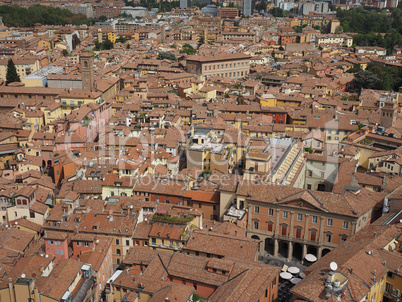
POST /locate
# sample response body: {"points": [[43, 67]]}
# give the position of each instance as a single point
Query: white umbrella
{"points": [[285, 275], [293, 270], [295, 280], [311, 258], [302, 275]]}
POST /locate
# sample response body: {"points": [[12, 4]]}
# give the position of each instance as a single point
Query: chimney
{"points": [[11, 289]]}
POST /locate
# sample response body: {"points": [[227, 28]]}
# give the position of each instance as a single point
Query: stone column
{"points": [[277, 222], [276, 247], [249, 227], [290, 250], [262, 245], [306, 227], [292, 214], [304, 251], [321, 237], [319, 252], [353, 228]]}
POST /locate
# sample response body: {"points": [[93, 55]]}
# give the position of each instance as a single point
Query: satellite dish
{"points": [[23, 276], [333, 266]]}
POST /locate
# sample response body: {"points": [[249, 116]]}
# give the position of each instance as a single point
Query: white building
{"points": [[135, 12]]}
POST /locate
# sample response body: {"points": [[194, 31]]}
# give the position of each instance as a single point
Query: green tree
{"points": [[261, 6], [16, 16], [276, 12], [202, 41], [188, 49], [281, 48], [12, 75], [365, 79], [355, 68], [107, 44], [121, 40]]}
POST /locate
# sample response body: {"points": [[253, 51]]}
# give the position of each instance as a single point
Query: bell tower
{"points": [[87, 70], [389, 111]]}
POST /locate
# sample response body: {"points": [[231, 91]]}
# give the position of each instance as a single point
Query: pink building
{"points": [[56, 244]]}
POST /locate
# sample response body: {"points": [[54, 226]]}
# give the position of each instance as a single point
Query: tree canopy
{"points": [[12, 75], [17, 16], [368, 24], [188, 49], [106, 45]]}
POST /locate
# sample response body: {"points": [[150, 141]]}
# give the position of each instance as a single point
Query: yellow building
{"points": [[35, 119], [46, 43], [24, 67], [267, 100], [208, 92], [111, 36], [52, 113], [74, 99]]}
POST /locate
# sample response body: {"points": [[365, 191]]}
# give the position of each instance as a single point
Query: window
{"points": [[127, 242], [344, 238], [299, 217], [308, 187], [310, 173], [31, 214], [389, 288], [256, 209], [271, 212], [315, 219], [57, 251], [270, 226], [322, 174], [284, 230], [313, 235], [50, 242], [87, 243], [345, 225], [330, 221], [117, 241], [256, 225], [328, 237], [118, 252], [285, 214]]}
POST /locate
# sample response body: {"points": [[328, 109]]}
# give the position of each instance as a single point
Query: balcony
{"points": [[167, 246]]}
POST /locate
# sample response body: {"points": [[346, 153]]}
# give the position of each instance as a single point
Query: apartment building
{"points": [[233, 65], [342, 40], [24, 67], [294, 222]]}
